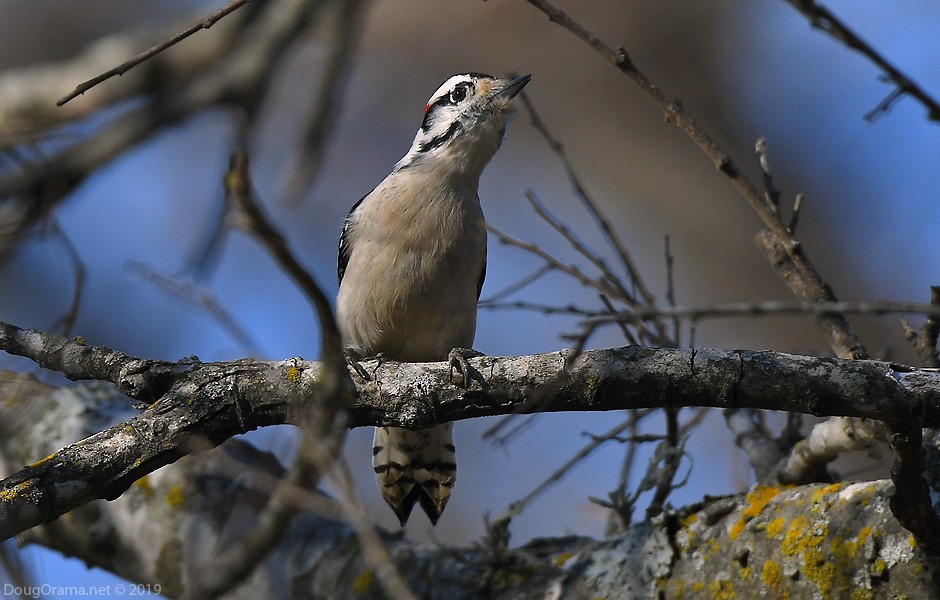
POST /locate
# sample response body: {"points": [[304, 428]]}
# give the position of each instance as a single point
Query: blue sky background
{"points": [[744, 69]]}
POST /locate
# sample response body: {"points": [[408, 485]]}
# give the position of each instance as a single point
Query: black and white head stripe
{"points": [[473, 107], [452, 92], [442, 112]]}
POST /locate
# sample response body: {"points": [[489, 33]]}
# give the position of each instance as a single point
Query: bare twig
{"points": [[627, 334], [622, 512], [579, 246], [199, 297], [925, 343], [598, 283], [126, 66], [765, 308], [821, 18], [805, 281], [603, 224], [772, 194], [323, 423], [671, 292], [516, 286], [515, 508], [911, 503], [372, 547], [596, 318], [672, 456], [795, 213], [252, 218], [67, 321], [343, 28]]}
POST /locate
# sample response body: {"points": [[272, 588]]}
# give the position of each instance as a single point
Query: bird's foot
{"points": [[458, 359], [353, 362]]}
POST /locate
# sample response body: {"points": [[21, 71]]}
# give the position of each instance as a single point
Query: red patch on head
{"points": [[427, 107]]}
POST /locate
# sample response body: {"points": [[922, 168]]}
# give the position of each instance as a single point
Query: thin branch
{"points": [[599, 219], [607, 275], [126, 66], [824, 20], [806, 281], [252, 218], [67, 321], [516, 286], [622, 512], [672, 452], [795, 213], [372, 547], [343, 28], [771, 193], [671, 291], [515, 508], [323, 420], [911, 503], [598, 283], [925, 342], [627, 334], [200, 297], [765, 308]]}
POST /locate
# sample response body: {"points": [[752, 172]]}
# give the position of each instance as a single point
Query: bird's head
{"points": [[464, 122]]}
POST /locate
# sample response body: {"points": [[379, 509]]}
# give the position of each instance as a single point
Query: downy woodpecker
{"points": [[412, 257]]}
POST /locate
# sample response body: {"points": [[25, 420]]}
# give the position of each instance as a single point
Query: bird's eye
{"points": [[459, 94]]}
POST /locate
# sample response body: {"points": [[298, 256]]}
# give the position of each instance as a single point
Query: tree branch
{"points": [[823, 19], [210, 402], [124, 67], [773, 541]]}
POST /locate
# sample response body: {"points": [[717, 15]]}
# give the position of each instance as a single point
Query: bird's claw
{"points": [[458, 359], [352, 361]]}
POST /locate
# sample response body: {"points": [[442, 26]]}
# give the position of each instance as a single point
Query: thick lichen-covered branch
{"points": [[832, 541]]}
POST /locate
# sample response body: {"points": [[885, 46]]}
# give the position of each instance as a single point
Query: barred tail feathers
{"points": [[415, 467]]}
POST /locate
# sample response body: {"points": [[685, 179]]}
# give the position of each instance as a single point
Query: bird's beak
{"points": [[513, 87]]}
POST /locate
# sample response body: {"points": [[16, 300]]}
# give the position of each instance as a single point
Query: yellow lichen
{"points": [[822, 494], [770, 574], [756, 500], [721, 589], [10, 494], [878, 567], [174, 496], [293, 374], [794, 540], [40, 461], [736, 529], [859, 593], [805, 541], [563, 558], [689, 520], [774, 527], [363, 582], [143, 484], [819, 570], [79, 340]]}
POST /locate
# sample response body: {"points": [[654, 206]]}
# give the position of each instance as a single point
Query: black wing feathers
{"points": [[345, 249]]}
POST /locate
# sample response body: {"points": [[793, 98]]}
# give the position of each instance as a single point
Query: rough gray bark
{"points": [[832, 541], [211, 402]]}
